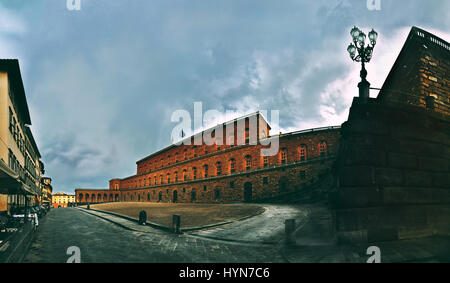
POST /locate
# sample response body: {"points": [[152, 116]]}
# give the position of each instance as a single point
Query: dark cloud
{"points": [[103, 82]]}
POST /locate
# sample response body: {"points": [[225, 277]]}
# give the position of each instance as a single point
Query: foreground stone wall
{"points": [[393, 178]]}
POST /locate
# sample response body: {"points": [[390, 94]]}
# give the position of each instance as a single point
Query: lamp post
{"points": [[359, 52]]}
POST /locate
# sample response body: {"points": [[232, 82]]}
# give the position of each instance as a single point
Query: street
{"points": [[101, 241]]}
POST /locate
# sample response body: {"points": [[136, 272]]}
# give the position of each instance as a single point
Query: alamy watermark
{"points": [[375, 254], [73, 5], [374, 5], [247, 134], [75, 254]]}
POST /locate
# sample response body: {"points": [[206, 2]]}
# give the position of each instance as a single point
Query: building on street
{"points": [[231, 171], [62, 200], [47, 190], [20, 165]]}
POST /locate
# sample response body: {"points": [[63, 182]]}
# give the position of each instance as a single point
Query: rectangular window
{"points": [[232, 166], [11, 125], [219, 169], [265, 180], [284, 157], [303, 153], [266, 161], [232, 184]]}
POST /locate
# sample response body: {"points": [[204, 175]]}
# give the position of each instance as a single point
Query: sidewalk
{"points": [[315, 243], [122, 221]]}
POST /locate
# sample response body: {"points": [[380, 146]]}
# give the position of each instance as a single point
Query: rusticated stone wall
{"points": [[393, 178]]}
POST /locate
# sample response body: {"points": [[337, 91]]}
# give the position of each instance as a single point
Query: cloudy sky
{"points": [[103, 82]]}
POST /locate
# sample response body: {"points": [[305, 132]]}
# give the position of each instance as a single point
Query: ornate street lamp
{"points": [[359, 52]]}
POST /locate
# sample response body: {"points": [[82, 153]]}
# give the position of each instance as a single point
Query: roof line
{"points": [[201, 132]]}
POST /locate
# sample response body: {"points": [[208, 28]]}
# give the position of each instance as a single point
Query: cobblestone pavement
{"points": [[267, 227], [106, 238], [100, 240]]}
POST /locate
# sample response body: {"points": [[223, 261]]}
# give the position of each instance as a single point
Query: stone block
{"points": [[356, 176], [418, 178], [354, 197], [398, 160], [433, 164], [388, 177], [441, 180], [366, 157]]}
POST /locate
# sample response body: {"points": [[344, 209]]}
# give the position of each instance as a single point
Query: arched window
{"points": [[284, 155], [218, 168], [232, 165], [185, 154], [161, 179], [205, 170], [162, 163], [302, 153], [323, 149], [194, 173], [168, 178], [176, 157], [248, 163], [176, 176], [184, 175], [154, 179]]}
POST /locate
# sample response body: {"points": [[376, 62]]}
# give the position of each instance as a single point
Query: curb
{"points": [[153, 225], [165, 228]]}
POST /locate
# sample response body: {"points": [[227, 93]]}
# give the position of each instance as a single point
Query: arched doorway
{"points": [[217, 194], [117, 198], [283, 183], [193, 195], [160, 196], [175, 196], [248, 192]]}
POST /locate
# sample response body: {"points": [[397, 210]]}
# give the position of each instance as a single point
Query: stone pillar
{"points": [[364, 85], [142, 217], [176, 224], [289, 228]]}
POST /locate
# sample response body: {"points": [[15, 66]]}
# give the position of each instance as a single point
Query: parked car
{"points": [[20, 213]]}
